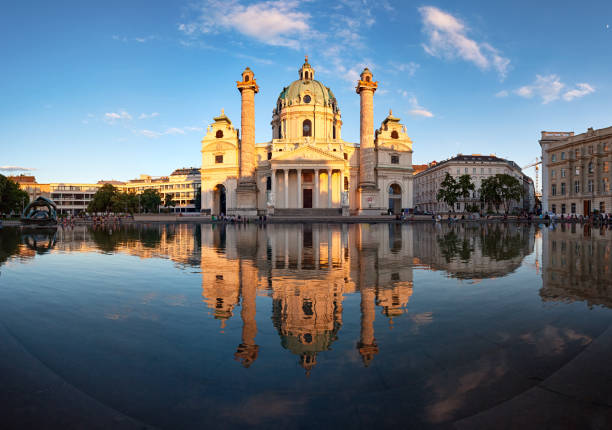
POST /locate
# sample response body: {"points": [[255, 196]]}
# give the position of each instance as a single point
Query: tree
{"points": [[150, 200], [449, 191], [464, 186], [12, 198], [169, 201], [124, 202], [501, 189], [102, 201]]}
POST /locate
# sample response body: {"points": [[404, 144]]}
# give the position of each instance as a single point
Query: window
{"points": [[307, 128], [334, 132], [563, 173], [269, 183], [367, 79], [604, 185], [553, 158], [458, 206], [218, 159], [554, 209], [219, 134], [489, 170], [458, 171], [563, 155], [563, 208], [577, 152], [590, 185], [395, 134], [591, 149], [576, 187], [395, 159], [345, 156], [482, 170], [573, 208], [474, 170], [562, 188], [577, 171], [269, 155], [554, 189], [602, 207], [552, 173], [466, 170], [590, 167], [606, 147], [307, 98], [606, 166], [246, 78]]}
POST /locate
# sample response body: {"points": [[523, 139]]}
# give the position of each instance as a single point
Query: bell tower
{"points": [[246, 191]]}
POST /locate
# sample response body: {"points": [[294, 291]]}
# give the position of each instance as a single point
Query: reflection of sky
{"points": [[135, 333]]}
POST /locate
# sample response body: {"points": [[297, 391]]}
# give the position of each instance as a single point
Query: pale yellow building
{"points": [[576, 172], [306, 168]]}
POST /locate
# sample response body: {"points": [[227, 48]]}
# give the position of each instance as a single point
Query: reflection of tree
{"points": [[500, 243], [9, 243], [109, 239], [451, 246]]}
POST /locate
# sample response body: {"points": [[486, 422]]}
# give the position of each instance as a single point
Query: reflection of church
{"points": [[307, 168], [307, 270]]}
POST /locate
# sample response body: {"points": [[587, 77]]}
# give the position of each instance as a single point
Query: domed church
{"points": [[306, 168]]}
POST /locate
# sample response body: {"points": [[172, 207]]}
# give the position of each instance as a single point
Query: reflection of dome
{"points": [[319, 94]]}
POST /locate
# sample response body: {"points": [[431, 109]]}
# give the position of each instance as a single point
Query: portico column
{"points": [[299, 188], [329, 188], [286, 188], [316, 188], [274, 186], [341, 190]]}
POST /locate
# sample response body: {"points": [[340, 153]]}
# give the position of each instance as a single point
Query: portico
{"points": [[305, 186]]}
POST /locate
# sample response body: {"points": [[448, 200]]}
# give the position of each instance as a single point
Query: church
{"points": [[306, 169]]}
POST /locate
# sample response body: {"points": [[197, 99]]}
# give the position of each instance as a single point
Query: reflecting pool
{"points": [[306, 326]]}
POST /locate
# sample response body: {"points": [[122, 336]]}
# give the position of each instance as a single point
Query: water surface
{"points": [[188, 326]]}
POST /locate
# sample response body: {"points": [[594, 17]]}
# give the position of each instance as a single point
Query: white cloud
{"points": [[169, 131], [421, 112], [448, 39], [581, 90], [549, 88], [111, 117], [417, 109], [276, 23], [148, 115], [502, 93], [408, 69], [16, 169]]}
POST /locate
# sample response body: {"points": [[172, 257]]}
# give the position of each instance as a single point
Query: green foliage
{"points": [[169, 201], [102, 201], [464, 186], [150, 200], [448, 192], [12, 198], [124, 202], [501, 189]]}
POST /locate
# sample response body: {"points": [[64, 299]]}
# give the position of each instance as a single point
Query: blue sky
{"points": [[113, 89]]}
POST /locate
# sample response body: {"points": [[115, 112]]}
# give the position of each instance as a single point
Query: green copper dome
{"points": [[319, 94]]}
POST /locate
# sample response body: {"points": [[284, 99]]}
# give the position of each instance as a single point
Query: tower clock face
{"points": [[307, 99]]}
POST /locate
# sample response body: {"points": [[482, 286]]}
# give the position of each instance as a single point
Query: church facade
{"points": [[306, 168]]}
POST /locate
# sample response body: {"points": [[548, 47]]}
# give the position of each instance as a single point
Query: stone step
{"points": [[307, 212]]}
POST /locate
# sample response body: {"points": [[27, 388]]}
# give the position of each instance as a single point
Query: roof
{"points": [[321, 94], [22, 179], [186, 171], [418, 168], [475, 158]]}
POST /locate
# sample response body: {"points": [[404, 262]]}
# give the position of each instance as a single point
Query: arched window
{"points": [[395, 189], [334, 132], [219, 134], [246, 78], [307, 128], [395, 134], [367, 79]]}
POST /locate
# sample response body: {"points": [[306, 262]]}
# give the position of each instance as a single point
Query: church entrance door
{"points": [[307, 194]]}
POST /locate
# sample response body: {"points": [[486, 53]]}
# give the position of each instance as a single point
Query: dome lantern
{"points": [[306, 71]]}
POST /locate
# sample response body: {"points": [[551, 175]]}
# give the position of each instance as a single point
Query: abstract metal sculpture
{"points": [[41, 211]]}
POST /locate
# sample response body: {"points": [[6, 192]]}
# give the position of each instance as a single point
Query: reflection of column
{"points": [[286, 185], [329, 188], [367, 344], [299, 188], [316, 188], [247, 350]]}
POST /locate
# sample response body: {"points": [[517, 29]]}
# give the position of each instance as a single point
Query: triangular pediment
{"points": [[308, 153], [394, 145], [219, 145]]}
